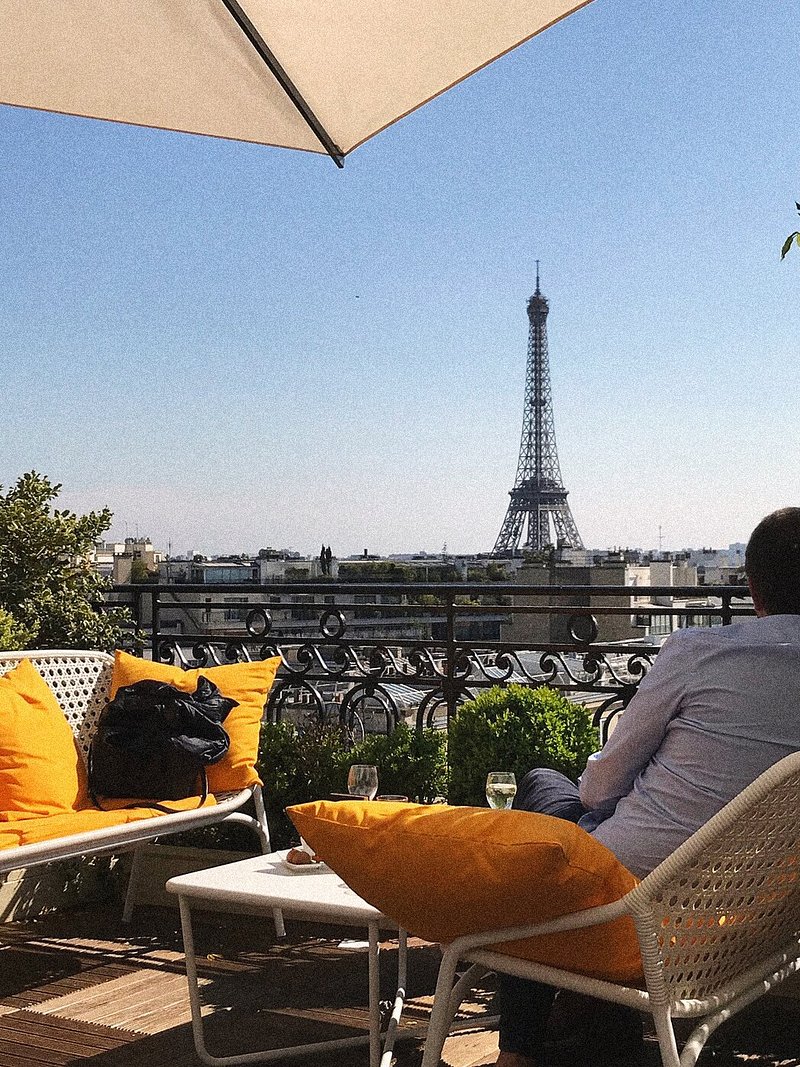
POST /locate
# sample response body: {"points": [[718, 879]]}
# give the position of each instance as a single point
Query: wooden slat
{"points": [[470, 1050], [72, 1030], [147, 1002], [30, 975], [33, 1053], [55, 1042], [10, 1059], [169, 1049], [28, 1040]]}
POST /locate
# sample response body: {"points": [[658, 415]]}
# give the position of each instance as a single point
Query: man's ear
{"points": [[758, 603]]}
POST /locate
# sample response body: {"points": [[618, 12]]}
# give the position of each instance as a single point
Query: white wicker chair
{"points": [[718, 924], [81, 683]]}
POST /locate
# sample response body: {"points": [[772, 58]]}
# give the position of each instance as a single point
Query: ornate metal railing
{"points": [[372, 655]]}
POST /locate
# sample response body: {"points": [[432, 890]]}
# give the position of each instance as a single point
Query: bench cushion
{"points": [[41, 770], [442, 872], [247, 683]]}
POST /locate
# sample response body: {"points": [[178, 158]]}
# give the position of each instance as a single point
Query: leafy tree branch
{"points": [[793, 238], [50, 594]]}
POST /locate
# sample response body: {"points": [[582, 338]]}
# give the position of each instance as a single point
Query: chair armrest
{"points": [[106, 839], [576, 921]]}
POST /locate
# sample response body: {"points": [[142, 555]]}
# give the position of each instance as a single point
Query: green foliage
{"points": [[492, 572], [376, 571], [47, 587], [516, 729], [793, 238], [308, 762], [544, 557], [440, 573], [13, 635], [300, 763], [409, 763], [141, 573], [384, 570]]}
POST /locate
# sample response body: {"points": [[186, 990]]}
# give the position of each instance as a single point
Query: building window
{"points": [[661, 624], [235, 614]]}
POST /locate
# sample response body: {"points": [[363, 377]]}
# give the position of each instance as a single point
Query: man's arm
{"points": [[610, 773]]}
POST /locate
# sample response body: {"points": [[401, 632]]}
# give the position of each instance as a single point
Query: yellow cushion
{"points": [[41, 770], [443, 871], [247, 683]]}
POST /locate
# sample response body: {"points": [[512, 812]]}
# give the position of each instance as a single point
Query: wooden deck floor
{"points": [[80, 988]]}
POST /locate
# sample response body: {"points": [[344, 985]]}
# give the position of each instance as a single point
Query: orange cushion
{"points": [[32, 831], [41, 769], [247, 683], [443, 871]]}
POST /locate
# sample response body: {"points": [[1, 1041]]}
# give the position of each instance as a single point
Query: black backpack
{"points": [[153, 741]]}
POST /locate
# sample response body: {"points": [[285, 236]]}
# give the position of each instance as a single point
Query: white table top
{"points": [[264, 882]]}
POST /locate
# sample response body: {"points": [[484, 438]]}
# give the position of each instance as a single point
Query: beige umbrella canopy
{"points": [[320, 75]]}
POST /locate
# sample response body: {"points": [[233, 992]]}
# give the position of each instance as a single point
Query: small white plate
{"points": [[303, 868]]}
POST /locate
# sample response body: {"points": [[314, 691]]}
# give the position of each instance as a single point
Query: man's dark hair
{"points": [[772, 561]]}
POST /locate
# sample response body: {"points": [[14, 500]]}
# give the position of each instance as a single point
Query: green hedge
{"points": [[302, 763], [512, 729], [515, 729]]}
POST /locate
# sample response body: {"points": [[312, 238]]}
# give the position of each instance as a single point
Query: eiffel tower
{"points": [[538, 495]]}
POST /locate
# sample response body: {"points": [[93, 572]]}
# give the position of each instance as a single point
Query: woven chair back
{"points": [[730, 897], [80, 682]]}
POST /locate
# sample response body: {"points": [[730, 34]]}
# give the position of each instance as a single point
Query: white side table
{"points": [[263, 882]]}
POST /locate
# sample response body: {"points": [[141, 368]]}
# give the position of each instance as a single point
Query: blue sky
{"points": [[235, 346]]}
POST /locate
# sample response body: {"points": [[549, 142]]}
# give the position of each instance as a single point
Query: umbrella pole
{"points": [[285, 82]]}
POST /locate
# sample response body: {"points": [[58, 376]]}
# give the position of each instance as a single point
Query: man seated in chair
{"points": [[719, 706]]}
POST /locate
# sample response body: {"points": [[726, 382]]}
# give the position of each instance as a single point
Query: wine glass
{"points": [[362, 780], [501, 788]]}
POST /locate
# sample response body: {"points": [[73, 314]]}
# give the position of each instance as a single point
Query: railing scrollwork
{"points": [[360, 660]]}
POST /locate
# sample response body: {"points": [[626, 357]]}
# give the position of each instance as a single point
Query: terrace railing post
{"points": [[156, 613], [727, 617], [450, 688]]}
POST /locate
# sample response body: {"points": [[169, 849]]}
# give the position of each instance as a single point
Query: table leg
{"points": [[191, 977], [374, 997], [278, 1053], [277, 918], [399, 999]]}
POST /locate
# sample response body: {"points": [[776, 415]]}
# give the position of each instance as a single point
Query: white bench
{"points": [[81, 684]]}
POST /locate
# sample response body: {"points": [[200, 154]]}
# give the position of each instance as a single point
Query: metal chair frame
{"points": [[718, 925]]}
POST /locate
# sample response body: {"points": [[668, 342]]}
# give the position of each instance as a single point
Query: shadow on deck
{"points": [[80, 988]]}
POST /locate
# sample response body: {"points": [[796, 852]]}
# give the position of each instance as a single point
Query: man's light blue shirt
{"points": [[716, 709]]}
